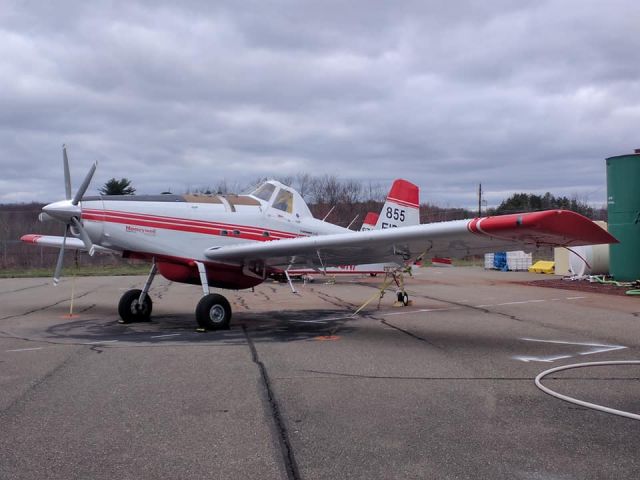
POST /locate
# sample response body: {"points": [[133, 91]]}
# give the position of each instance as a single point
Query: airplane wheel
{"points": [[213, 312], [403, 298], [130, 309]]}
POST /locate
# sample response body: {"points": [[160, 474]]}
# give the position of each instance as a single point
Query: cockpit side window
{"points": [[264, 192], [284, 201]]}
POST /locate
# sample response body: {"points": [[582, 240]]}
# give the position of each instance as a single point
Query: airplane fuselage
{"points": [[176, 230]]}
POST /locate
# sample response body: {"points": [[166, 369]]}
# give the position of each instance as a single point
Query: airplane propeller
{"points": [[68, 211]]}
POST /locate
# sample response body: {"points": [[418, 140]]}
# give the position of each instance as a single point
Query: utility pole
{"points": [[479, 200]]}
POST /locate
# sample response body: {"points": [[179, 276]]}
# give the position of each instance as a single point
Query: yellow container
{"points": [[542, 266]]}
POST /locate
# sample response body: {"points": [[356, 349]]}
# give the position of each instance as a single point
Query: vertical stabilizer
{"points": [[402, 207], [370, 221]]}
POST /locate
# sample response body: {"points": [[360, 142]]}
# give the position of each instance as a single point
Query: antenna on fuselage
{"points": [[329, 213]]}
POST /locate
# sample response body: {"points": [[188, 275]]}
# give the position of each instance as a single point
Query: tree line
{"points": [[528, 202]]}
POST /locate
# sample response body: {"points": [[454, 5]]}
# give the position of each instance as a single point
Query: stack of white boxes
{"points": [[488, 261], [517, 261]]}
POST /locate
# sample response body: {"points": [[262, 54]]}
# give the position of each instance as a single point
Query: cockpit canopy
{"points": [[281, 197]]}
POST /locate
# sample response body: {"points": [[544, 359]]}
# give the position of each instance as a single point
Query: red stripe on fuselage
{"points": [[185, 225], [188, 221]]}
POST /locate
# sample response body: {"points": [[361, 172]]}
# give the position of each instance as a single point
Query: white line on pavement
{"points": [[25, 349], [421, 311], [520, 302]]}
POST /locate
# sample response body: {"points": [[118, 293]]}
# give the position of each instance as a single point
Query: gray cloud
{"points": [[519, 96]]}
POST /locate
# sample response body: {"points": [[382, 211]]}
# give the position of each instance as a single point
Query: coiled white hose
{"points": [[582, 403]]}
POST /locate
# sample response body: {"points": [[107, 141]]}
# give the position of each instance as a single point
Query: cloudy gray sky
{"points": [[518, 95]]}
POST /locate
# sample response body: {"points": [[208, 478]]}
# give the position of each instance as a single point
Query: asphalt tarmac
{"points": [[298, 388]]}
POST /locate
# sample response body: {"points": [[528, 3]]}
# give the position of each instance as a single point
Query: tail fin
{"points": [[402, 207], [370, 221]]}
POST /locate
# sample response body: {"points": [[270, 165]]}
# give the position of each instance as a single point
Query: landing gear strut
{"points": [[213, 311], [396, 276], [401, 294], [136, 305]]}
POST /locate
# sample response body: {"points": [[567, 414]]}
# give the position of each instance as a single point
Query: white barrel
{"points": [[594, 261]]}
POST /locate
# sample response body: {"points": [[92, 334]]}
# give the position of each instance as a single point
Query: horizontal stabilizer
{"points": [[58, 242]]}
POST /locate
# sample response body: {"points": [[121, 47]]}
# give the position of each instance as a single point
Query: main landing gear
{"points": [[136, 305], [213, 311]]}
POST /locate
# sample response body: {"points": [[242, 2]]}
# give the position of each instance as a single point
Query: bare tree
{"points": [[304, 181]]}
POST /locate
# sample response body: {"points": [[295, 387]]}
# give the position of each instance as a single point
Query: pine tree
{"points": [[117, 187]]}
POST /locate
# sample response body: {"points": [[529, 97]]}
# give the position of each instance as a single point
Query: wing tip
{"points": [[567, 222], [578, 229], [30, 238]]}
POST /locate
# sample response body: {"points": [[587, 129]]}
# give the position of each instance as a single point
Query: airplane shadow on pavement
{"points": [[270, 326]]}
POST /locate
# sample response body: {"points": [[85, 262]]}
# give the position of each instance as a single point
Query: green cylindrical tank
{"points": [[623, 204]]}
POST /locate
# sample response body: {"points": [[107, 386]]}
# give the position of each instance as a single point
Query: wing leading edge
{"points": [[458, 238]]}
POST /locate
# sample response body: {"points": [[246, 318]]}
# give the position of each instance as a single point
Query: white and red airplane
{"points": [[237, 241]]}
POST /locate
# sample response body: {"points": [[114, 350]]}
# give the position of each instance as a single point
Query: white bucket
{"points": [[594, 261]]}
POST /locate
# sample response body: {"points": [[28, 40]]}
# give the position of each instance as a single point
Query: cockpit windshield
{"points": [[281, 197], [264, 191], [284, 201]]}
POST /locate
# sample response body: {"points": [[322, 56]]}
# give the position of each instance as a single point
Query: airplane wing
{"points": [[459, 238], [71, 243]]}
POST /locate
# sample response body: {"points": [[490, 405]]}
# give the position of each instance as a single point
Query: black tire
{"points": [[213, 312], [131, 311], [403, 298]]}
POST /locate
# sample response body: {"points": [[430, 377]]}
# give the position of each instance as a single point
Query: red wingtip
{"points": [[371, 219], [30, 238], [405, 192], [560, 227]]}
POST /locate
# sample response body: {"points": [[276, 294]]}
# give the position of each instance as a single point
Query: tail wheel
{"points": [[403, 298], [131, 310], [213, 312]]}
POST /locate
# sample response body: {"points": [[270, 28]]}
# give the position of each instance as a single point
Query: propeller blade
{"points": [[84, 236], [67, 175], [85, 184], [56, 274]]}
